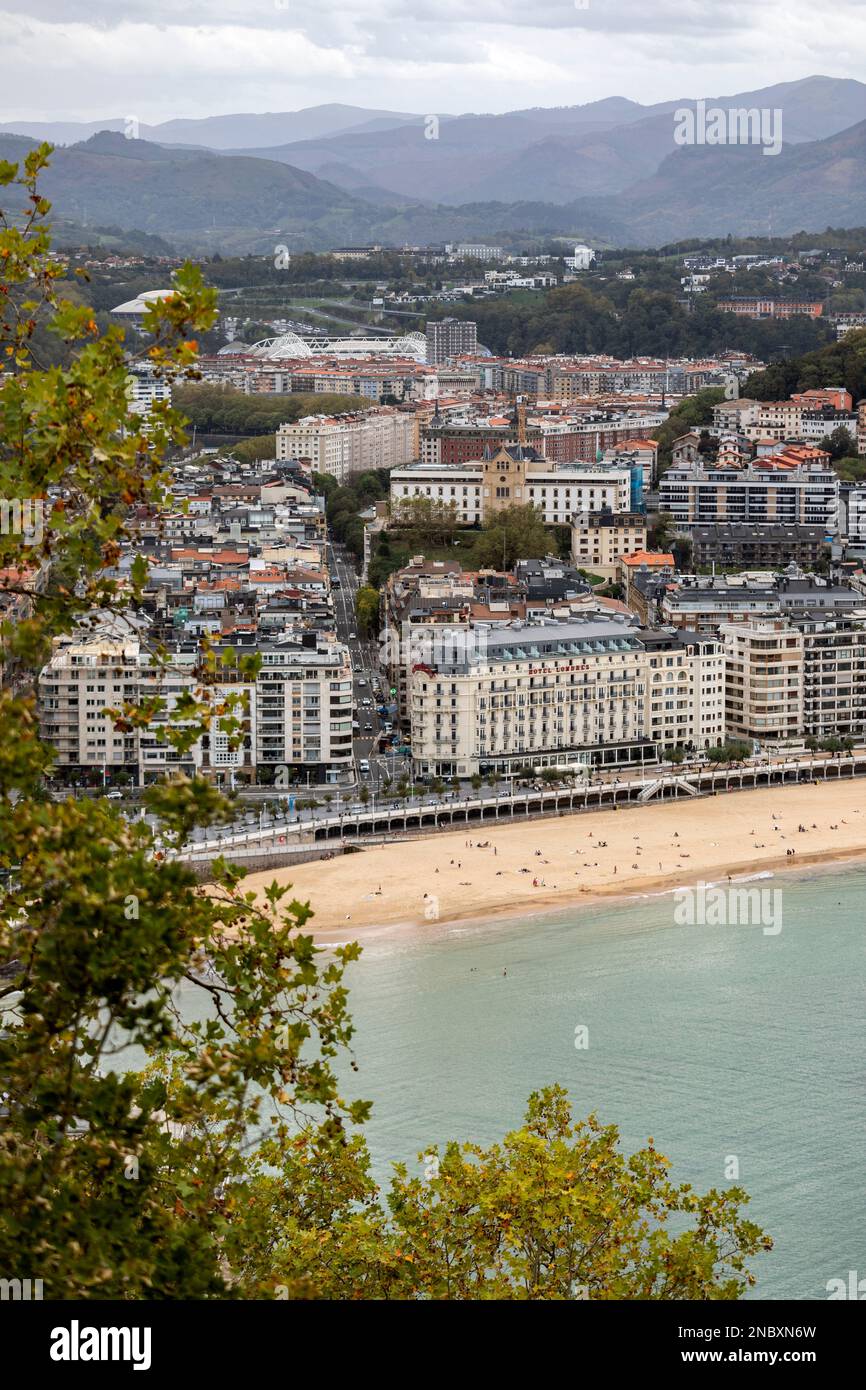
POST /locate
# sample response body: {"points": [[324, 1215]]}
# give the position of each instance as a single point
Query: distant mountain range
{"points": [[609, 171], [221, 132], [552, 155]]}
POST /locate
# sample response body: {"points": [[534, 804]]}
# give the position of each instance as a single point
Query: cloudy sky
{"points": [[88, 59]]}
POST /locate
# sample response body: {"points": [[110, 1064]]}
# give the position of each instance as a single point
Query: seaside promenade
{"points": [[429, 814]]}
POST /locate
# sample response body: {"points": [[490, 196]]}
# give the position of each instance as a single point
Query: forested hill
{"points": [[839, 364], [578, 318]]}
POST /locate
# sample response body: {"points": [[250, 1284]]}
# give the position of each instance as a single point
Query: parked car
{"points": [[114, 795]]}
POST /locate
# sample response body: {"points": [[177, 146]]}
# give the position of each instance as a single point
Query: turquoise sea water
{"points": [[717, 1041]]}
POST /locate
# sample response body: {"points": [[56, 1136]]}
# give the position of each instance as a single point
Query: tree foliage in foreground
{"points": [[555, 1211], [171, 1122]]}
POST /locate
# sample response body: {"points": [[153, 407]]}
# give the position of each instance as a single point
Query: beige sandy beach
{"points": [[539, 865]]}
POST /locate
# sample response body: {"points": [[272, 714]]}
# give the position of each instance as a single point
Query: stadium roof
{"points": [[293, 345], [140, 303]]}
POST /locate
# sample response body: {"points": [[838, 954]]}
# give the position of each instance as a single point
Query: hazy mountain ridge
{"points": [[219, 132], [607, 171], [558, 154]]}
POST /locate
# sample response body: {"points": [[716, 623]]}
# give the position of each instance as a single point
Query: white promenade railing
{"points": [[299, 834]]}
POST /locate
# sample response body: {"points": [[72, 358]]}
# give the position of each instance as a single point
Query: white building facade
{"points": [[527, 695], [343, 445], [557, 491]]}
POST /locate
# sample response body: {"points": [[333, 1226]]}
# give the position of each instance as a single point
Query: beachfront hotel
{"points": [[592, 690]]}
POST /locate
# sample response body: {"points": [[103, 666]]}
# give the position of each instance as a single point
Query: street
{"points": [[366, 676]]}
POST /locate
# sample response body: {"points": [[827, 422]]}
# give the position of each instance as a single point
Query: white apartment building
{"points": [[699, 494], [800, 419], [600, 539], [855, 508], [685, 689], [298, 713], [786, 421], [144, 390], [582, 259], [802, 676], [474, 250], [735, 415], [763, 680], [561, 693], [304, 709], [834, 676], [78, 683], [480, 487], [344, 444], [105, 671]]}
